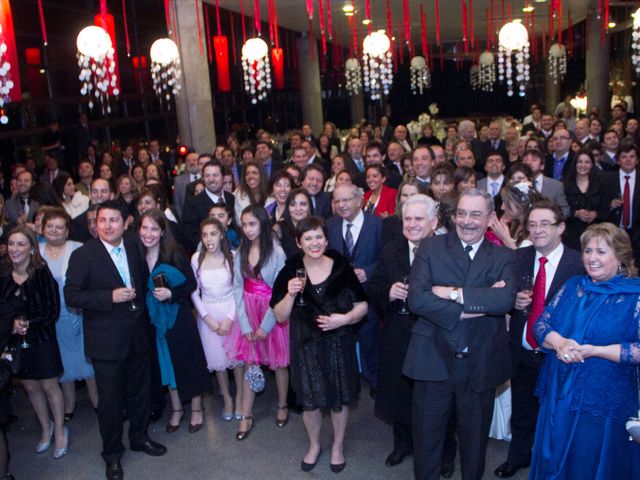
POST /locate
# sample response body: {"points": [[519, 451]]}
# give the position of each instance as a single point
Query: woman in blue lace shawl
{"points": [[589, 388]]}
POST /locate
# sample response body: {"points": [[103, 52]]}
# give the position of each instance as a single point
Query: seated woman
{"points": [[322, 337], [588, 384]]}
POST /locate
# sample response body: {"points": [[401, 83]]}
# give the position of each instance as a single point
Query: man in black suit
{"points": [[460, 288], [264, 154], [312, 180], [106, 278], [401, 135], [374, 155], [386, 130], [99, 193], [126, 162], [190, 190], [494, 143], [197, 207], [550, 264], [559, 162]]}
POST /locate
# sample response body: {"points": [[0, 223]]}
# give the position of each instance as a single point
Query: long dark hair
{"points": [[170, 251], [287, 221], [36, 259], [225, 247], [261, 195], [265, 241], [594, 173]]}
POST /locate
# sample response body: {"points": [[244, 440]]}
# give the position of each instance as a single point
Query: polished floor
{"points": [[214, 453]]}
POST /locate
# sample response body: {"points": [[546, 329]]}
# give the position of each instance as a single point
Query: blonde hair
{"points": [[617, 239]]}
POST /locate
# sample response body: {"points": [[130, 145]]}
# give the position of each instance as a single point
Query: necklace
{"points": [[53, 252]]}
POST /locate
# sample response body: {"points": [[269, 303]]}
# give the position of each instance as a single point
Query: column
{"points": [[194, 103], [551, 90], [357, 107], [597, 64], [310, 90]]}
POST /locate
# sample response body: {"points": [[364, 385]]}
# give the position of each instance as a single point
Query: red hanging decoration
{"points": [[11, 55], [311, 39], [256, 16], [106, 21], [354, 37], [277, 59], [438, 22], [407, 23], [126, 28], [606, 14], [43, 25], [270, 20], [275, 24], [560, 21], [310, 9], [423, 31], [367, 14], [329, 20], [465, 36], [221, 46], [323, 36], [244, 27], [207, 33], [390, 32]]}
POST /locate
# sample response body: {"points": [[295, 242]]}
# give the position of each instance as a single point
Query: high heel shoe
{"points": [[44, 446], [194, 427], [172, 428], [307, 467], [282, 423], [242, 434], [69, 416], [61, 452]]}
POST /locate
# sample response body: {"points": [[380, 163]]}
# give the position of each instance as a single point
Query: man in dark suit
{"points": [[375, 155], [312, 180], [99, 193], [20, 205], [51, 170], [609, 159], [106, 278], [494, 144], [356, 235], [621, 196], [401, 135], [549, 187], [550, 264], [386, 130], [191, 174], [264, 154], [197, 207], [127, 161], [190, 191], [460, 288], [559, 162], [492, 183]]}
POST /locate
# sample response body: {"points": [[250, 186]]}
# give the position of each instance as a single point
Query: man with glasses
{"points": [[548, 264], [558, 163], [460, 288]]}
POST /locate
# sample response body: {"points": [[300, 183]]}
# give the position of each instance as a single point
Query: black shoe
{"points": [[507, 470], [447, 469], [151, 448], [307, 467], [337, 467], [394, 458], [114, 471]]}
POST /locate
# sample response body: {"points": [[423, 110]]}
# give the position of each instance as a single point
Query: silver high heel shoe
{"points": [[44, 446], [61, 452]]}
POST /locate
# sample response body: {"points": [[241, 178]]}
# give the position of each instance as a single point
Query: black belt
{"points": [[461, 355]]}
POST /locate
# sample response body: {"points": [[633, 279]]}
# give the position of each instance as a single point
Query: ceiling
{"points": [[292, 14]]}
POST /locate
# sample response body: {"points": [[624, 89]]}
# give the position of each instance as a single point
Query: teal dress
{"points": [[580, 432]]}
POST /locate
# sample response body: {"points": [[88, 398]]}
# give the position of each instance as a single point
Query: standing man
{"points": [[549, 187], [126, 162], [312, 180], [99, 193], [460, 289], [422, 161], [494, 166], [85, 173], [609, 158], [191, 174], [560, 160], [20, 205], [264, 154], [106, 278], [494, 143], [355, 161], [551, 264], [401, 135]]}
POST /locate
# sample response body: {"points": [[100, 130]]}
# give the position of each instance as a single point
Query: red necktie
{"points": [[537, 302], [626, 205]]}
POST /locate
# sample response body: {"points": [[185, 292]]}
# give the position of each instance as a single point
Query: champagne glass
{"points": [[301, 274], [526, 286], [22, 320], [132, 304], [403, 309]]}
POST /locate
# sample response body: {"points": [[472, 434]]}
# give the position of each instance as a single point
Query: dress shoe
{"points": [[151, 448], [282, 423], [194, 427], [242, 434], [337, 467], [114, 471], [447, 469], [307, 467], [172, 428], [507, 470], [61, 452], [394, 458], [44, 446], [69, 416]]}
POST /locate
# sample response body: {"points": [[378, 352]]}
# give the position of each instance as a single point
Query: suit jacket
{"points": [[46, 178], [195, 210], [110, 329], [570, 265], [441, 260], [548, 165], [367, 248], [610, 186], [386, 203], [179, 191], [488, 148], [530, 127], [80, 228], [122, 167], [13, 209], [607, 163], [554, 190], [323, 205]]}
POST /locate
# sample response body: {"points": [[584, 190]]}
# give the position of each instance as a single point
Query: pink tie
{"points": [[537, 303]]}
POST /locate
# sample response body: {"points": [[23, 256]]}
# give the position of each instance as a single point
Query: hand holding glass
{"points": [[526, 286], [301, 274], [23, 323], [403, 309]]}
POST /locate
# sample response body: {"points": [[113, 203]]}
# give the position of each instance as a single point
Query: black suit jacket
{"points": [[110, 329], [610, 186], [548, 165], [488, 149], [196, 209], [441, 260], [323, 205]]}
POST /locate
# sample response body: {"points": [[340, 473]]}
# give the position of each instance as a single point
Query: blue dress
{"points": [[580, 432], [69, 325]]}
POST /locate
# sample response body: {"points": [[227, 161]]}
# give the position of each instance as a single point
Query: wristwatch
{"points": [[453, 294]]}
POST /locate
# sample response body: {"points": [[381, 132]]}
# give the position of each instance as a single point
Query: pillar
{"points": [[310, 90], [194, 103], [551, 90], [597, 63], [357, 108]]}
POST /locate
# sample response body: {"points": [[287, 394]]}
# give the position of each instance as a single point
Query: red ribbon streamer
{"points": [[167, 14], [256, 16], [244, 27], [207, 33], [222, 62], [329, 20], [126, 28], [310, 9], [323, 36], [407, 22], [465, 36], [218, 19], [43, 25], [438, 22]]}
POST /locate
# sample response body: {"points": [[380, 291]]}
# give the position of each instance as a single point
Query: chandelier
{"points": [[256, 68], [514, 41], [635, 42], [6, 83], [420, 75], [473, 77], [378, 64], [97, 66], [486, 71], [352, 76], [165, 68], [557, 62]]}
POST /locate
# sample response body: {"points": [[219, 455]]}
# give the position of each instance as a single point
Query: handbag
{"points": [[633, 424], [255, 378]]}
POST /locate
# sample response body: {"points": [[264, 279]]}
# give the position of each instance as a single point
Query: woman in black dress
{"points": [[177, 335], [29, 295], [324, 369]]}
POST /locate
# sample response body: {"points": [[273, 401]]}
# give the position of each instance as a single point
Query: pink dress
{"points": [[214, 297]]}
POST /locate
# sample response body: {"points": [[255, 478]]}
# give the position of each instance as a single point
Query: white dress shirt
{"points": [[355, 228], [114, 258]]}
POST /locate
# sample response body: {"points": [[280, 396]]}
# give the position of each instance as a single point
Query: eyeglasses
{"points": [[544, 225], [474, 215]]}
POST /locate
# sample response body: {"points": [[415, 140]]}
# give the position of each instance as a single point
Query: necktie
{"points": [[348, 238], [626, 205], [494, 189], [468, 250], [495, 145], [359, 165], [414, 250], [25, 206], [120, 264], [537, 303]]}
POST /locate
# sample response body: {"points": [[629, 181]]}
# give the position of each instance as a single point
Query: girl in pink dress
{"points": [[258, 340], [213, 299]]}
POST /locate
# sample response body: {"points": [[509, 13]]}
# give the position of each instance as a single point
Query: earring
{"points": [[620, 268]]}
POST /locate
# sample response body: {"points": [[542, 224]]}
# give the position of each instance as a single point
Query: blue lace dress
{"points": [[580, 432]]}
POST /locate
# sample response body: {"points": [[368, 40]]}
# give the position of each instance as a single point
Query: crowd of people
{"points": [[431, 272]]}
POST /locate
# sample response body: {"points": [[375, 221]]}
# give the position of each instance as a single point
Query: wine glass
{"points": [[22, 320], [132, 304], [526, 286], [403, 309], [301, 274]]}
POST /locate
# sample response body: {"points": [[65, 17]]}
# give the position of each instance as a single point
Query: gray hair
{"points": [[474, 192], [467, 125], [355, 190], [420, 199]]}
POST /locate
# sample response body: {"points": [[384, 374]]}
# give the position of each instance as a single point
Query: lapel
{"points": [[560, 277], [457, 252], [361, 236], [480, 261], [108, 262], [402, 258]]}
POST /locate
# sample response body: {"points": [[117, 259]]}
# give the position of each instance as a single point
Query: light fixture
{"points": [[165, 68], [635, 42], [579, 103], [473, 77], [528, 9], [347, 8], [420, 75], [557, 62], [256, 68], [6, 82], [514, 40], [378, 64], [612, 25], [366, 21], [97, 66], [352, 76], [486, 71], [348, 14]]}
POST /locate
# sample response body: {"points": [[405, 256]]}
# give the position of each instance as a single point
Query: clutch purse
{"points": [[255, 378], [633, 424]]}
